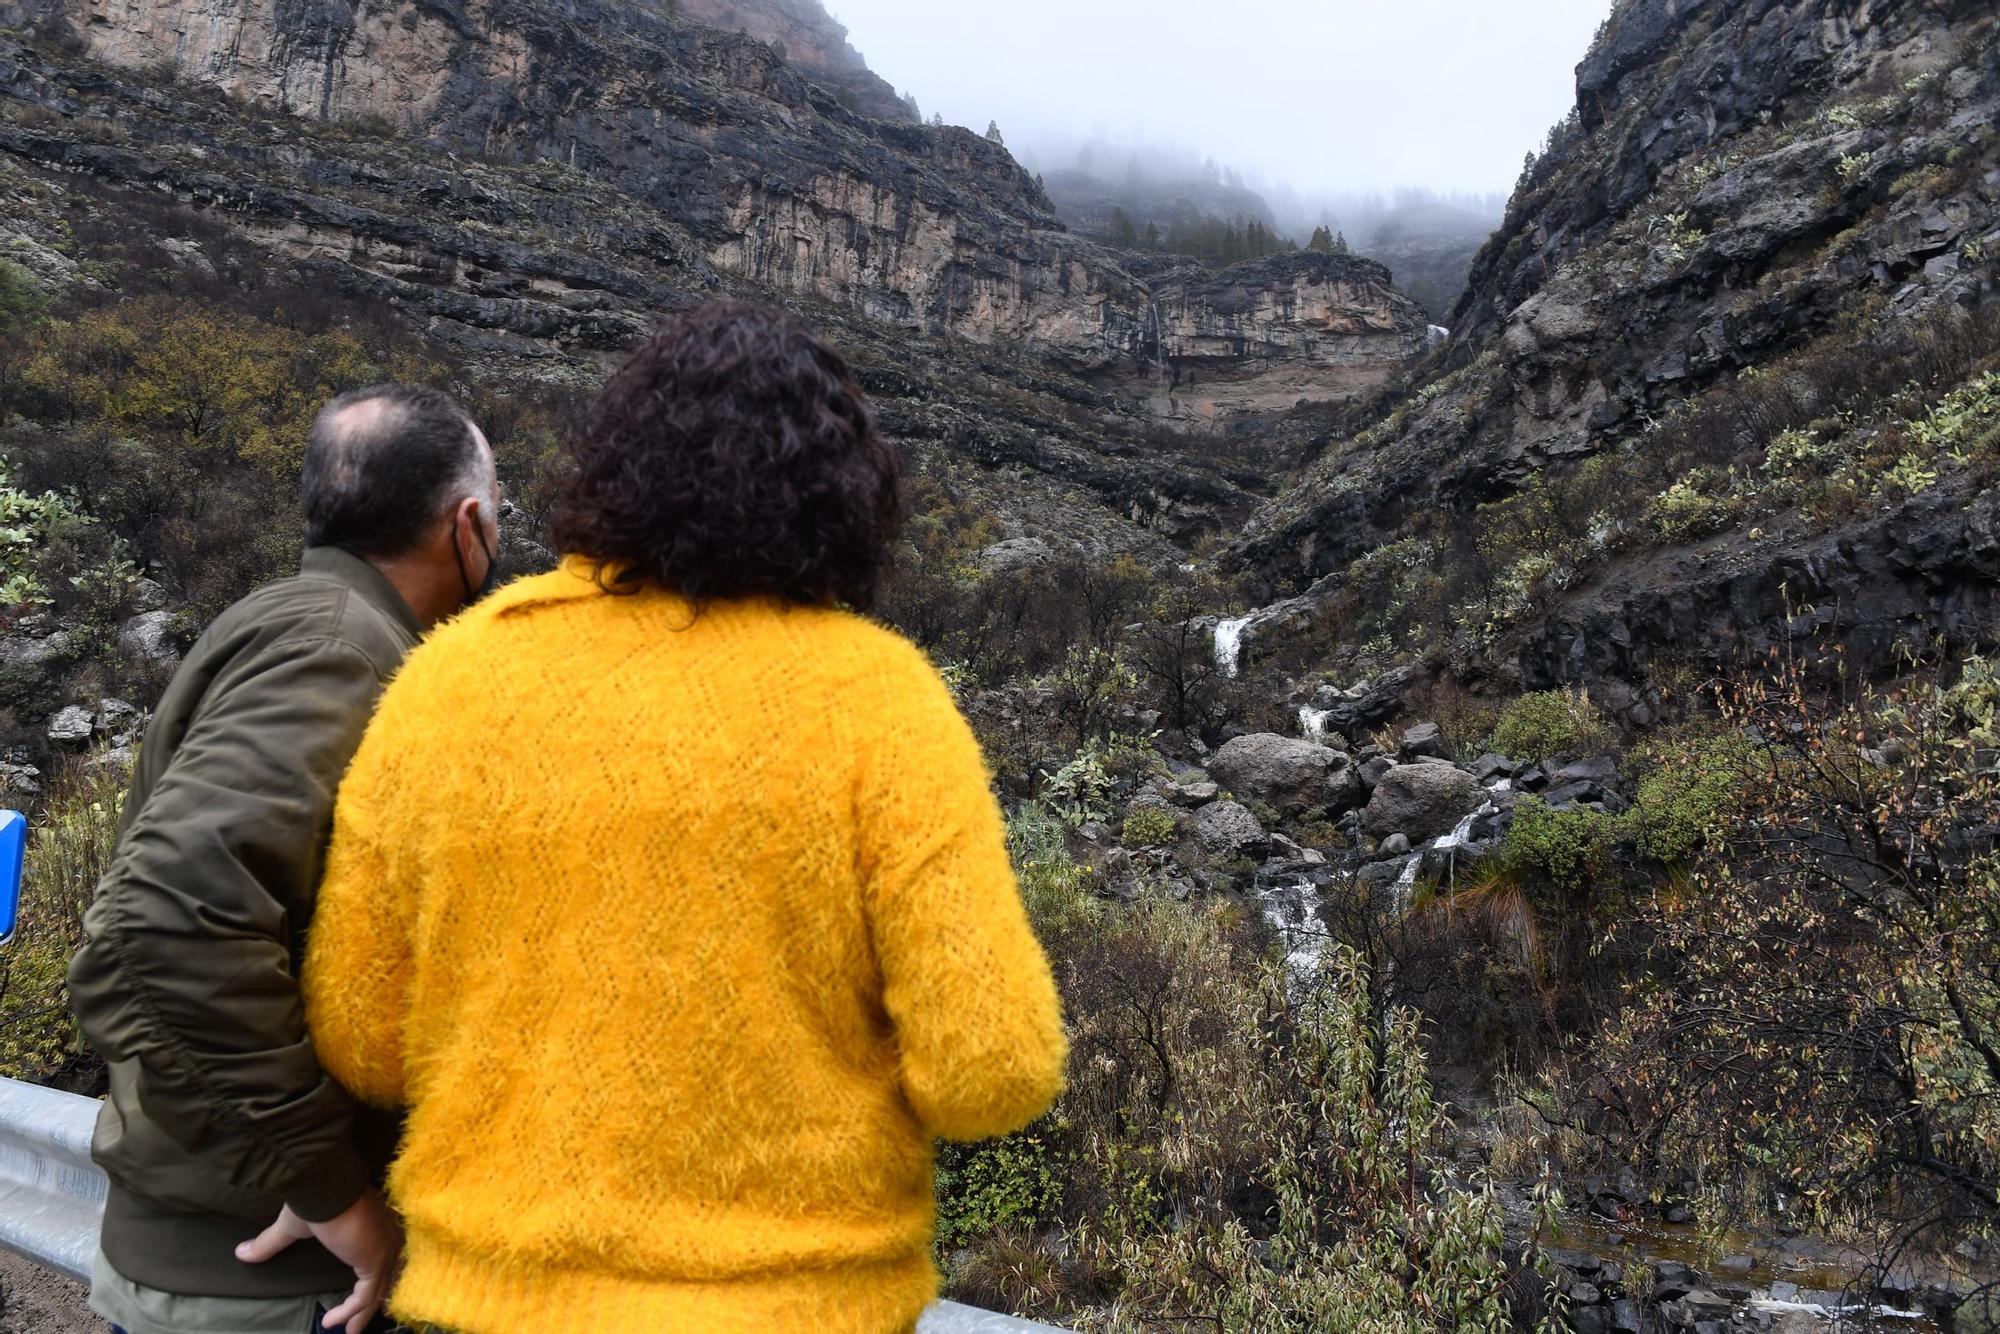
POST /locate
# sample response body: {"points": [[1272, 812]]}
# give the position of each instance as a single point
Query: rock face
{"points": [[1295, 777], [1744, 183], [760, 170], [811, 40], [1421, 801], [1261, 335]]}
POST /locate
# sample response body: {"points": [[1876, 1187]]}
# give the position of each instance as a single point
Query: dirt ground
{"points": [[35, 1301]]}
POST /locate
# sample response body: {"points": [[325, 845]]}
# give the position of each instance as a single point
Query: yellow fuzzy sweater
{"points": [[681, 938]]}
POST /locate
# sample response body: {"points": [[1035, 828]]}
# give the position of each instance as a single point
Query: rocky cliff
{"points": [[1754, 207], [753, 167], [812, 40], [1261, 335]]}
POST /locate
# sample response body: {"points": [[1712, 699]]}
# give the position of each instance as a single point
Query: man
{"points": [[219, 1117]]}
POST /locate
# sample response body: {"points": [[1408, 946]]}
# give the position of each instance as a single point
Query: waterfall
{"points": [[1312, 722], [1407, 881], [1229, 645], [1291, 908]]}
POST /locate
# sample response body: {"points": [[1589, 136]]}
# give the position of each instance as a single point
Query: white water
{"points": [[1834, 1312], [1229, 645], [1407, 881], [1292, 909], [1312, 722], [1460, 835]]}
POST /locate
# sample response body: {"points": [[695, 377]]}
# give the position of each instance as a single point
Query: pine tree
{"points": [[1322, 241], [993, 133], [1123, 233], [1340, 244], [937, 120], [1152, 236]]}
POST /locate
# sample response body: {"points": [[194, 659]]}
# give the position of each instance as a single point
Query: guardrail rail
{"points": [[52, 1198]]}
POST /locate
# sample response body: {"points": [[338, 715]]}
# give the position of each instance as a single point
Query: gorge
{"points": [[1579, 703]]}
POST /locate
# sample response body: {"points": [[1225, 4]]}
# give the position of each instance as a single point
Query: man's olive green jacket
{"points": [[187, 982]]}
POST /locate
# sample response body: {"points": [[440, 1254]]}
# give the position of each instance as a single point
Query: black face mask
{"points": [[492, 579]]}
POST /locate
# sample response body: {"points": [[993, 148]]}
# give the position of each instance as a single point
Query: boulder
{"points": [[70, 728], [149, 637], [115, 716], [1377, 876], [1372, 771], [1422, 800], [1602, 769], [1227, 829], [1396, 845], [1196, 794], [1293, 776], [1489, 767], [1423, 739]]}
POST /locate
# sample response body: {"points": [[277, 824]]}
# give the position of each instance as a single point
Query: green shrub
{"points": [[1149, 827], [1572, 847], [1686, 789], [1052, 885], [22, 301], [68, 851], [1548, 724], [1006, 1184], [1682, 512]]}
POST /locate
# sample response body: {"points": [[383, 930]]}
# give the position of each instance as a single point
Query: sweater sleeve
{"points": [[359, 952], [965, 983]]}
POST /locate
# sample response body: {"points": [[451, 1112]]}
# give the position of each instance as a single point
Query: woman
{"points": [[668, 894]]}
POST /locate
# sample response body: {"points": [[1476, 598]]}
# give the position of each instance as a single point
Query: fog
{"points": [[1321, 99]]}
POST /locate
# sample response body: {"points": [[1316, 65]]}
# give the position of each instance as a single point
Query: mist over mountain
{"points": [[1115, 191]]}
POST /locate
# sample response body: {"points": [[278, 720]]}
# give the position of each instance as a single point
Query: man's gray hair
{"points": [[383, 464]]}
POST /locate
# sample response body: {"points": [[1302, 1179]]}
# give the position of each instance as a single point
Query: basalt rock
{"points": [[1295, 777], [1421, 800]]}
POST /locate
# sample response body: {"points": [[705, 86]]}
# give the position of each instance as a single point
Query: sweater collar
{"points": [[347, 568]]}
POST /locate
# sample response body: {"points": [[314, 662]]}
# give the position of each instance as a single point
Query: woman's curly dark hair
{"points": [[731, 456]]}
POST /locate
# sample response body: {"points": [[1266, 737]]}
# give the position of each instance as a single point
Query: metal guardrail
{"points": [[52, 1198], [51, 1194]]}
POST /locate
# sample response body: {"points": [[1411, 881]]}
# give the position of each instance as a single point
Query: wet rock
{"points": [[70, 728], [1377, 876], [1489, 767], [1396, 845], [1424, 739], [1372, 771], [1584, 1294], [1227, 829], [1626, 1317], [1422, 800], [1293, 776]]}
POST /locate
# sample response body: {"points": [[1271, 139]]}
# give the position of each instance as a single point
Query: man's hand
{"points": [[366, 1238]]}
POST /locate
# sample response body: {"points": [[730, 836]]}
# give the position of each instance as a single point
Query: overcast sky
{"points": [[1318, 94]]}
